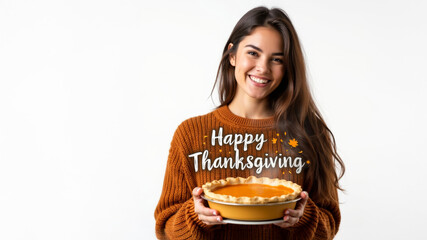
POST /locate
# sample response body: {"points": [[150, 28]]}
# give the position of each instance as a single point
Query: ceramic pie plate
{"points": [[252, 212]]}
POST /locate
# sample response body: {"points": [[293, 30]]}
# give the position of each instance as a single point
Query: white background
{"points": [[92, 91]]}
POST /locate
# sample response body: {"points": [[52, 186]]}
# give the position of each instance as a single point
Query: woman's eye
{"points": [[278, 60], [253, 53]]}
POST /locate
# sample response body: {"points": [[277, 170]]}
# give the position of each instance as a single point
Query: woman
{"points": [[263, 92]]}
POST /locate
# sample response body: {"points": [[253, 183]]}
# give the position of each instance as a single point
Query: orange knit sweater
{"points": [[199, 151]]}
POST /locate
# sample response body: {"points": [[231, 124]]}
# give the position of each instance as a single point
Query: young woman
{"points": [[264, 92]]}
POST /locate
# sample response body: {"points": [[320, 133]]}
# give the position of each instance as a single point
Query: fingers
{"points": [[287, 223], [197, 192], [294, 213], [303, 201], [289, 220], [198, 201], [211, 220], [292, 216], [299, 210], [200, 209], [205, 214]]}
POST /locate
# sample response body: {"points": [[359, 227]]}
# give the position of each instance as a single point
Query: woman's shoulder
{"points": [[197, 122], [191, 130]]}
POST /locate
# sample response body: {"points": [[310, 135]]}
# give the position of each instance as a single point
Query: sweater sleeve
{"points": [[318, 222], [174, 214]]}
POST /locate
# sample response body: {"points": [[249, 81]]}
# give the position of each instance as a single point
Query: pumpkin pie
{"points": [[251, 190]]}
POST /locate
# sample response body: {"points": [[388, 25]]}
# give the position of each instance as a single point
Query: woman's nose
{"points": [[262, 65]]}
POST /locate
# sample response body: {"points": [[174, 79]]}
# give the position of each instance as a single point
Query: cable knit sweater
{"points": [[196, 156]]}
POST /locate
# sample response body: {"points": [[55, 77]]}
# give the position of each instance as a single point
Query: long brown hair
{"points": [[295, 110]]}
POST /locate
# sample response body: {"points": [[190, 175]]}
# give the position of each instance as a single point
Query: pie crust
{"points": [[210, 187]]}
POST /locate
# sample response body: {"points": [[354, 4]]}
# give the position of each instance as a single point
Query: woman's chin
{"points": [[259, 97]]}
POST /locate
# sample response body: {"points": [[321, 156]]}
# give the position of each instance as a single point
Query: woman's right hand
{"points": [[206, 215]]}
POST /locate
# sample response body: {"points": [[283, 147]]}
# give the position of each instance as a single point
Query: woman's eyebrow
{"points": [[259, 49]]}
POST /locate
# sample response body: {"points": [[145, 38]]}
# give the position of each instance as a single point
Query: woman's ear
{"points": [[232, 57]]}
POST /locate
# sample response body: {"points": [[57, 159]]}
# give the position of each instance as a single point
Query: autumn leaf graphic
{"points": [[293, 142]]}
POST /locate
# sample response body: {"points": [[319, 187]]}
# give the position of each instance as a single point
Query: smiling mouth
{"points": [[258, 80]]}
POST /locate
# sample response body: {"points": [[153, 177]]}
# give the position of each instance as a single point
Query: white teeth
{"points": [[258, 80]]}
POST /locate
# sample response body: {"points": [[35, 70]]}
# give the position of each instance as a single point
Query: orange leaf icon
{"points": [[293, 142]]}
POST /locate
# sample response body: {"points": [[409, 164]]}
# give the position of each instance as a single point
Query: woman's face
{"points": [[259, 63]]}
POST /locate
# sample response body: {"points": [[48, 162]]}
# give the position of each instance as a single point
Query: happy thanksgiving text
{"points": [[242, 162]]}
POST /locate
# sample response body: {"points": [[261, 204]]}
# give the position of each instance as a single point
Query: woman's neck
{"points": [[251, 108]]}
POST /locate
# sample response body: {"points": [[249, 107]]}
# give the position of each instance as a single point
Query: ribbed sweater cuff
{"points": [[186, 224], [194, 218]]}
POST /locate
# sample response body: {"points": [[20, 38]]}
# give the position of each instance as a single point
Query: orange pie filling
{"points": [[250, 197], [253, 190]]}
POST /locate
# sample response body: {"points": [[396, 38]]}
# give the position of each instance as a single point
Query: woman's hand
{"points": [[206, 215], [292, 216]]}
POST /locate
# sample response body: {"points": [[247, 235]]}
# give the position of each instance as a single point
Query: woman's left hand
{"points": [[292, 216]]}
